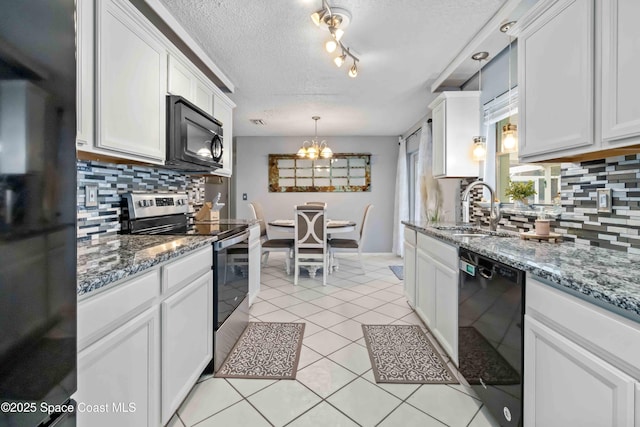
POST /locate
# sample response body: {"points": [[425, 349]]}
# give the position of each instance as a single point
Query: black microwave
{"points": [[194, 138]]}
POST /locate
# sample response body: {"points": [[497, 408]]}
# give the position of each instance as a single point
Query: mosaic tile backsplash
{"points": [[580, 222], [115, 179]]}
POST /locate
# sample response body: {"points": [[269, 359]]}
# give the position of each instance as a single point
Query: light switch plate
{"points": [[91, 196], [603, 200]]}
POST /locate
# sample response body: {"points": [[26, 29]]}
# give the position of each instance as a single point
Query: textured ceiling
{"points": [[274, 55]]}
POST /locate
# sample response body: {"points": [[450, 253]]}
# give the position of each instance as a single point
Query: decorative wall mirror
{"points": [[346, 172]]}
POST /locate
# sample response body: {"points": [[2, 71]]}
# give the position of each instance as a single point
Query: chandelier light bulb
{"points": [[337, 34], [479, 148], [316, 17], [326, 152], [339, 60], [331, 45], [312, 152], [353, 71], [302, 152]]}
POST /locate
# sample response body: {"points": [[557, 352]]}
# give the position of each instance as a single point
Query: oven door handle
{"points": [[230, 241]]}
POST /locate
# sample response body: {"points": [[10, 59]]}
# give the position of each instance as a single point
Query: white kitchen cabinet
{"points": [[223, 111], [637, 407], [187, 323], [84, 74], [410, 266], [118, 376], [581, 364], [567, 385], [255, 248], [131, 83], [456, 120], [620, 70], [185, 81], [556, 79], [437, 291]]}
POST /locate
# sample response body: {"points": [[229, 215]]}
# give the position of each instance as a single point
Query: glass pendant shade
{"points": [[353, 71], [316, 17], [509, 137], [326, 152], [479, 148], [339, 60], [302, 152]]}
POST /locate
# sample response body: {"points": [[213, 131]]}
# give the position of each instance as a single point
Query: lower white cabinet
{"points": [[187, 340], [118, 376], [567, 385], [436, 290], [581, 364], [410, 266], [255, 248]]}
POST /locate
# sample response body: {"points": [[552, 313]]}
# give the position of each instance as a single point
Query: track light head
{"points": [[353, 71], [331, 45]]}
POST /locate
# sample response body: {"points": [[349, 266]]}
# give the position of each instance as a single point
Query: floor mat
{"points": [[398, 270], [265, 350], [478, 359], [403, 354]]}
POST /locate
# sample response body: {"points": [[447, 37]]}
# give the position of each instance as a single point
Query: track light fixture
{"points": [[336, 19]]}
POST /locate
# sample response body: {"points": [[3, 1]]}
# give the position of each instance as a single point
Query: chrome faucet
{"points": [[494, 210]]}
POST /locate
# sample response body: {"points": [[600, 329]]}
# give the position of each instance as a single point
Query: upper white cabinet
{"points": [[577, 68], [131, 66], [556, 79], [620, 70], [84, 73], [581, 364], [223, 111], [456, 120], [184, 81]]}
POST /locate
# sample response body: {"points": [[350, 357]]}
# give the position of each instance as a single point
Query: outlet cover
{"points": [[91, 196], [603, 200]]}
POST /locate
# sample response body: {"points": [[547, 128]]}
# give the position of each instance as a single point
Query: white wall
{"points": [[251, 176]]}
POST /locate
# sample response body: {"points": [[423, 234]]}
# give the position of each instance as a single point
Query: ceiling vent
{"points": [[258, 122]]}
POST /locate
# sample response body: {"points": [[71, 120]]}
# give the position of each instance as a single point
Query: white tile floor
{"points": [[334, 385]]}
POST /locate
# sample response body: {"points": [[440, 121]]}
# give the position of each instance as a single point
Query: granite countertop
{"points": [[109, 259], [604, 277]]}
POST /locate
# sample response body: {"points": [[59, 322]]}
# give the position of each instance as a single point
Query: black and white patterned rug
{"points": [[398, 270], [403, 354], [265, 350]]}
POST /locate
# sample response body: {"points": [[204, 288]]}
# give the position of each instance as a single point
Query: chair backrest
{"points": [[310, 227], [367, 209], [258, 214], [324, 204]]}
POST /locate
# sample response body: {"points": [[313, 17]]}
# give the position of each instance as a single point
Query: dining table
{"points": [[333, 226]]}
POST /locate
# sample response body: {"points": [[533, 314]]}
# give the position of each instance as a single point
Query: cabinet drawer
{"points": [[103, 312], [410, 235], [443, 252], [186, 268], [610, 336]]}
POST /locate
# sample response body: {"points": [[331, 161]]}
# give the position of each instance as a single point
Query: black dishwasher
{"points": [[490, 334]]}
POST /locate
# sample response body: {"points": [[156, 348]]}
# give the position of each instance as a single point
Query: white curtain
{"points": [[401, 202], [428, 199]]}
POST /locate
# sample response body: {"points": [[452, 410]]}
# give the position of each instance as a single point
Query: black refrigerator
{"points": [[37, 212]]}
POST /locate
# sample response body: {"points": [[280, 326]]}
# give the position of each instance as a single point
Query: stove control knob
{"points": [[142, 203], [150, 201]]}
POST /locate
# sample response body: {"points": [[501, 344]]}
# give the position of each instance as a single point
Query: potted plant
{"points": [[520, 191]]}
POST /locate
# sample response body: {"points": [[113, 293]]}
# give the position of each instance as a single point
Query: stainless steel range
{"points": [[166, 214]]}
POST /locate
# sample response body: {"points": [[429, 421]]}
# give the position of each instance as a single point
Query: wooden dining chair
{"points": [[310, 246], [351, 245], [271, 245]]}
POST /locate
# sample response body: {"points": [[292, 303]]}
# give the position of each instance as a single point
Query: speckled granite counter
{"points": [[604, 277], [110, 259]]}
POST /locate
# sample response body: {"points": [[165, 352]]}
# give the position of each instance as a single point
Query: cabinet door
{"points": [[118, 376], [410, 273], [620, 71], [131, 81], [84, 73], [565, 385], [255, 249], [446, 327], [425, 288], [637, 408], [224, 112], [556, 80], [439, 137], [180, 78], [187, 341], [202, 96]]}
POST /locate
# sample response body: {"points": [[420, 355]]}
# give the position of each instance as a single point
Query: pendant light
{"points": [[479, 142], [314, 149], [510, 130]]}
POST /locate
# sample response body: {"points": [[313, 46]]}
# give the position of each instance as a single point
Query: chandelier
{"points": [[336, 19], [312, 149]]}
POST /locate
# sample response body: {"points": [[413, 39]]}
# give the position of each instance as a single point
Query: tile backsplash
{"points": [[115, 179], [580, 221]]}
